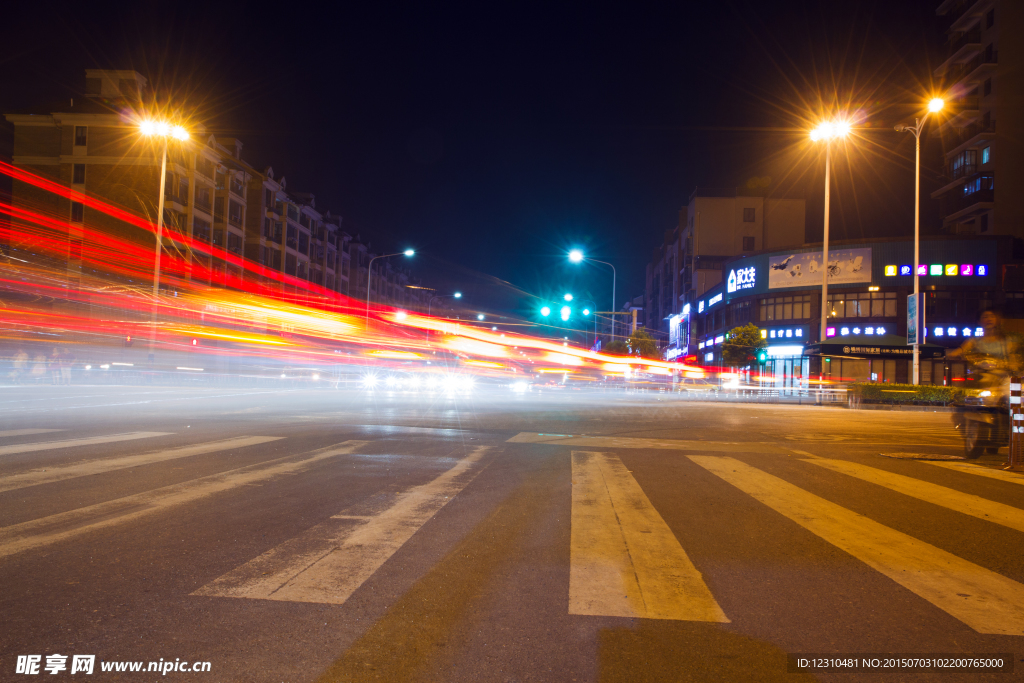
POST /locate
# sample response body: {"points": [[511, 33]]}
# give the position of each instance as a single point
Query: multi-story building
{"points": [[716, 224], [983, 74], [94, 145], [211, 195], [866, 330]]}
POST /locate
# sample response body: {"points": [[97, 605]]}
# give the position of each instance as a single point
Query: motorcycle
{"points": [[984, 422]]}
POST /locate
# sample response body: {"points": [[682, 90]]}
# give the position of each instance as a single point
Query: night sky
{"points": [[494, 137]]}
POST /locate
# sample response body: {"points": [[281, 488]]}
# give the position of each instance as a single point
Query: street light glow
{"points": [[457, 295], [150, 127], [480, 316], [828, 130], [565, 312], [586, 311], [567, 297], [545, 311], [936, 104], [575, 255], [408, 252]]}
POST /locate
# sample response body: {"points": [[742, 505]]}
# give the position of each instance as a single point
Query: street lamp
{"points": [[545, 311], [565, 312], [567, 297], [165, 131], [935, 105], [479, 316], [827, 131], [456, 295], [369, 277], [576, 256]]}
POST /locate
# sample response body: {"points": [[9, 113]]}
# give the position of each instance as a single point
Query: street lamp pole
{"points": [[369, 277], [935, 105], [827, 131], [163, 130], [456, 295], [576, 256]]}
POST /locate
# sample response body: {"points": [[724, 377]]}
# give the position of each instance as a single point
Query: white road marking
{"points": [[26, 432], [624, 559], [327, 563], [82, 469], [965, 503], [980, 470], [659, 444], [984, 600], [65, 525], [69, 443]]}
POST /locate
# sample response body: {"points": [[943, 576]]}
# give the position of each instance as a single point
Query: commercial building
{"points": [[866, 331], [715, 225], [983, 74]]}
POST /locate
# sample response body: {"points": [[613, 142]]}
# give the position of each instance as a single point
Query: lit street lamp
{"points": [[480, 316], [827, 131], [165, 131], [369, 277], [934, 106], [576, 256], [456, 295]]}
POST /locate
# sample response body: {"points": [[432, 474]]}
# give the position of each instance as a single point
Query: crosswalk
{"points": [[625, 559]]}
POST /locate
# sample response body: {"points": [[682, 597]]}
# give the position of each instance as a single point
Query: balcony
{"points": [[973, 72], [972, 135], [204, 205], [956, 205], [965, 14], [961, 49], [235, 220]]}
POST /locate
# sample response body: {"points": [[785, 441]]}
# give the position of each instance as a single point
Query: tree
{"points": [[617, 347], [741, 346], [642, 344]]}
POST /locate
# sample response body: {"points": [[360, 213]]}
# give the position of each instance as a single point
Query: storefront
{"points": [[865, 337]]}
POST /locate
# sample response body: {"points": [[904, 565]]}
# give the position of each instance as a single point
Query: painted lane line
{"points": [[624, 559], [984, 600], [82, 469], [69, 443], [981, 471], [660, 444], [328, 562], [965, 503], [26, 432], [65, 525], [155, 400]]}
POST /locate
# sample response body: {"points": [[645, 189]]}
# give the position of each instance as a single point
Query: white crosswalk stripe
{"points": [[28, 432], [329, 562], [82, 469], [63, 526], [71, 443]]}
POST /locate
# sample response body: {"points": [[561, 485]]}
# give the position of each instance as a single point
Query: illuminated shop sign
{"points": [[714, 300], [784, 333], [785, 350], [846, 331], [686, 310], [949, 269], [700, 306], [742, 278], [709, 357], [719, 339], [953, 331]]}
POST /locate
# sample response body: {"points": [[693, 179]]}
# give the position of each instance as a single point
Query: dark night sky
{"points": [[493, 137]]}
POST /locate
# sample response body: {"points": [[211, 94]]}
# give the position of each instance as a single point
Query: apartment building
{"points": [[211, 195], [717, 224], [983, 75]]}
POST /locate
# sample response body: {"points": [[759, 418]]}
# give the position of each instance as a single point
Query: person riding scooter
{"points": [[992, 359]]}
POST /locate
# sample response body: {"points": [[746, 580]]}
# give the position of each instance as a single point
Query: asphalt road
{"points": [[318, 535]]}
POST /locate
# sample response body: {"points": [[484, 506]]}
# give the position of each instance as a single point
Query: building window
{"points": [[81, 135], [748, 215], [748, 244], [78, 174], [268, 198], [986, 155], [292, 238], [303, 243], [289, 264], [200, 229], [986, 87], [234, 243], [235, 213], [983, 223], [862, 305], [77, 212], [990, 18], [786, 308], [963, 164]]}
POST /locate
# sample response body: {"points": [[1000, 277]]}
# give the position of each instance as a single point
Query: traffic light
{"points": [[128, 340], [762, 357], [195, 342]]}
